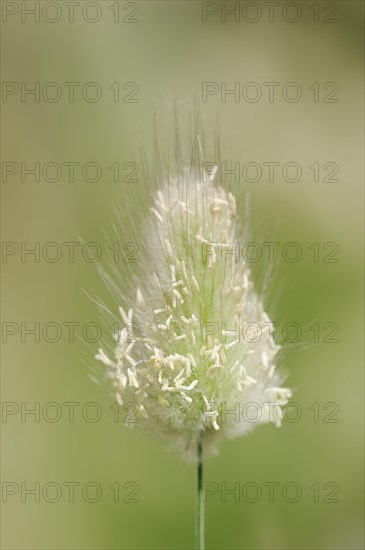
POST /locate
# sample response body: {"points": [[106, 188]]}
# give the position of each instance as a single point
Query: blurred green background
{"points": [[169, 52]]}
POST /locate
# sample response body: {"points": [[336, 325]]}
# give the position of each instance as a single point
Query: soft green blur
{"points": [[169, 53]]}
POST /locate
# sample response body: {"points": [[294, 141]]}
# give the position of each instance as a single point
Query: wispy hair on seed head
{"points": [[178, 377]]}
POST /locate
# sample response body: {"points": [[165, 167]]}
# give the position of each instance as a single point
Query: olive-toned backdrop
{"points": [[158, 53]]}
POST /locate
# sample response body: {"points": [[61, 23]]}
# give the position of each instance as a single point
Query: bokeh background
{"points": [[169, 52]]}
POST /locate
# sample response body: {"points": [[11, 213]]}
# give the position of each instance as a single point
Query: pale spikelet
{"points": [[183, 380]]}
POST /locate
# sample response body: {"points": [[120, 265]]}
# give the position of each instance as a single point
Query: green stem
{"points": [[200, 503]]}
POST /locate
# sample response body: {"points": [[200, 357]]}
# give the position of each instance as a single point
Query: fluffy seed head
{"points": [[188, 355]]}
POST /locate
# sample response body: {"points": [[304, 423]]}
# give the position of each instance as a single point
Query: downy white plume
{"points": [[180, 356]]}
